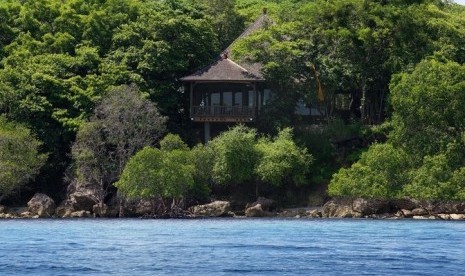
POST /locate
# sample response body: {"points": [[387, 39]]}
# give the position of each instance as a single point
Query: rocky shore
{"points": [[42, 206]]}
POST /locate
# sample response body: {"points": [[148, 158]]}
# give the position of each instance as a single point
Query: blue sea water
{"points": [[231, 246]]}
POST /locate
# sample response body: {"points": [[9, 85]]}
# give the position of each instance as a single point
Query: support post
{"points": [[207, 132], [255, 100], [191, 102]]}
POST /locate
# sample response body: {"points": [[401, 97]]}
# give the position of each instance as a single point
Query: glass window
{"points": [[266, 96], [238, 98], [227, 98], [251, 98], [215, 99]]}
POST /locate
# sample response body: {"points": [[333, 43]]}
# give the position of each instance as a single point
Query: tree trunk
{"points": [[363, 100], [121, 207]]}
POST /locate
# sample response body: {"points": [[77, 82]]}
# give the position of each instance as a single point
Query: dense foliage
{"points": [[236, 158], [326, 49], [58, 58], [363, 61], [20, 160], [123, 123], [167, 172], [424, 155]]}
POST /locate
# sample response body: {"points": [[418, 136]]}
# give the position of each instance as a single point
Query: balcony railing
{"points": [[223, 111]]}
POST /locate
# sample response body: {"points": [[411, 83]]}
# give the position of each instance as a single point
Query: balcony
{"points": [[231, 114]]}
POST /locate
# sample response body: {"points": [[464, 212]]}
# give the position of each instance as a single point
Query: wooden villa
{"points": [[226, 92]]}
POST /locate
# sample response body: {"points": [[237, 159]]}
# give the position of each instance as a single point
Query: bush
{"points": [[20, 160], [437, 180], [235, 156], [158, 173], [381, 172], [281, 160]]}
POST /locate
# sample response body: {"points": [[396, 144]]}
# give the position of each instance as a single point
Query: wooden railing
{"points": [[219, 111]]}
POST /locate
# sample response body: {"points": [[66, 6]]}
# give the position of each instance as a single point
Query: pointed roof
{"points": [[260, 23], [225, 69]]}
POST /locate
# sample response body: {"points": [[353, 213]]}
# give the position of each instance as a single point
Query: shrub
{"points": [[381, 172], [20, 160]]}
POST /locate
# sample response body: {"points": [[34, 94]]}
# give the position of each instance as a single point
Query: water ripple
{"points": [[231, 246]]}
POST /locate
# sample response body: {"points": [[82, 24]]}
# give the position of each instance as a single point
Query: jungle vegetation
{"points": [[68, 69]]}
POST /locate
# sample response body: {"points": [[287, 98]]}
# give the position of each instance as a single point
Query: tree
{"points": [[381, 172], [235, 156], [20, 159], [159, 174], [122, 124], [423, 157], [428, 107], [282, 161], [239, 158], [58, 59]]}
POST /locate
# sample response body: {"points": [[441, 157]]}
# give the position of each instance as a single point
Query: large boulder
{"points": [[214, 209], [335, 210], [457, 216], [419, 212], [82, 199], [449, 208], [256, 211], [403, 204], [63, 212], [368, 207], [42, 205], [265, 203], [105, 211]]}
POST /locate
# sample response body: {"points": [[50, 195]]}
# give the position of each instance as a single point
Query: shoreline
{"points": [[42, 206]]}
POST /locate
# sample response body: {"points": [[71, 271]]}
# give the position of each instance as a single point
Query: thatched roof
{"points": [[225, 69]]}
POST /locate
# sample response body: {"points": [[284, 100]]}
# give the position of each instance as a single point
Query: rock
{"points": [[457, 216], [406, 213], [368, 207], [42, 205], [255, 211], [399, 214], [449, 208], [419, 212], [17, 211], [444, 216], [266, 204], [427, 205], [314, 213], [403, 204], [334, 210], [10, 216], [82, 199], [420, 217], [135, 208], [214, 209], [63, 212], [3, 209], [28, 215], [80, 214], [100, 210]]}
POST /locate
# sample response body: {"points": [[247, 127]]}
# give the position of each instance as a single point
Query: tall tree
{"points": [[122, 124]]}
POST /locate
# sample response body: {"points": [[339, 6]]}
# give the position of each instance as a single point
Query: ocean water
{"points": [[231, 246]]}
